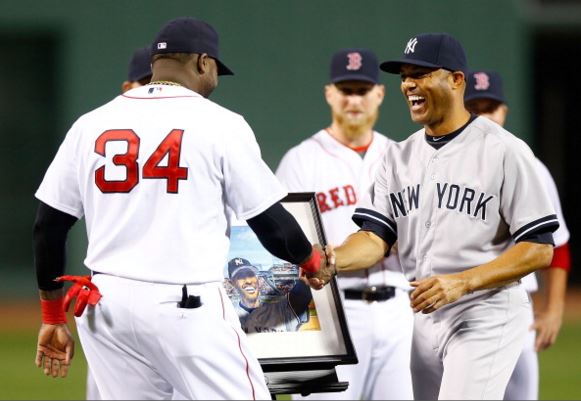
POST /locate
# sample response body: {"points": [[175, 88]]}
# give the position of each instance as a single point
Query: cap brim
{"points": [[476, 95], [394, 66], [222, 69], [353, 77]]}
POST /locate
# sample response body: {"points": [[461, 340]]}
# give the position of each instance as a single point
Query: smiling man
{"points": [[287, 313], [471, 217]]}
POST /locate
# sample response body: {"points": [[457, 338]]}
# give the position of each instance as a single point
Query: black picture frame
{"points": [[315, 350]]}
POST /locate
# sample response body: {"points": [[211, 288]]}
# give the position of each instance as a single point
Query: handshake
{"points": [[318, 270]]}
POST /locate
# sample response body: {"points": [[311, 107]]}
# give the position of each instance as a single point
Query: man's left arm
{"points": [[548, 321], [431, 293]]}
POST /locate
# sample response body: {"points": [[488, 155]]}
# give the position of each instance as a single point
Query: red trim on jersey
{"points": [[157, 97], [240, 348], [561, 258], [357, 149]]}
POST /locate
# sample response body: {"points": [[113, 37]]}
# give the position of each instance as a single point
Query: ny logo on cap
{"points": [[482, 81], [354, 61], [162, 45], [238, 262], [411, 46]]}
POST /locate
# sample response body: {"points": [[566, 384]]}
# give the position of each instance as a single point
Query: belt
{"points": [[370, 294]]}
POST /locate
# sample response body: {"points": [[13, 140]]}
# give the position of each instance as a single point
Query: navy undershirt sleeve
{"points": [[49, 235], [279, 232]]}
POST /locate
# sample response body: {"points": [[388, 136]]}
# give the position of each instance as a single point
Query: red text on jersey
{"points": [[336, 197], [170, 146]]}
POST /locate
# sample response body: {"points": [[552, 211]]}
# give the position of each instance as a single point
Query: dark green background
{"points": [[60, 59]]}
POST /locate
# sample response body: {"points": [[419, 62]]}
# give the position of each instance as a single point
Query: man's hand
{"points": [[55, 349], [326, 271], [432, 293], [547, 325]]}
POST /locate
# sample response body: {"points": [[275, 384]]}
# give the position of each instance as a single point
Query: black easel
{"points": [[304, 382]]}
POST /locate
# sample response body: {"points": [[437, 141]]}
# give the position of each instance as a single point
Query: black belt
{"points": [[370, 294]]}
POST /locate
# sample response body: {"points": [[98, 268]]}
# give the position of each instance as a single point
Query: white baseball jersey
{"points": [[339, 176], [459, 206], [561, 235], [381, 331], [154, 170]]}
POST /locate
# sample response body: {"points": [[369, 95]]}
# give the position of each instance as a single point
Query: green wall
{"points": [[280, 52]]}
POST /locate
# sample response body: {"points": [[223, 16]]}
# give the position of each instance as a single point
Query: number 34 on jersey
{"points": [[152, 169]]}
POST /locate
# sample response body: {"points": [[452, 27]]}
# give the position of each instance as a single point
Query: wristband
{"points": [[53, 311], [313, 263]]}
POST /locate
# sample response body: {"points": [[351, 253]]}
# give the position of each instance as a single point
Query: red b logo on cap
{"points": [[482, 81], [354, 61]]}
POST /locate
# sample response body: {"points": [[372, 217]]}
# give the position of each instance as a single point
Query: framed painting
{"points": [[290, 327]]}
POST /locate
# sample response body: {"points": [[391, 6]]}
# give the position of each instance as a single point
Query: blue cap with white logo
{"points": [[354, 64], [434, 50], [484, 85]]}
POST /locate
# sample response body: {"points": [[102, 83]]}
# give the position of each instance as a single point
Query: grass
{"points": [[20, 379]]}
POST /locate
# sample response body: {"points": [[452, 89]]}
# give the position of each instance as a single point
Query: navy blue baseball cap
{"points": [[140, 64], [354, 64], [189, 35], [434, 50], [484, 85], [237, 265]]}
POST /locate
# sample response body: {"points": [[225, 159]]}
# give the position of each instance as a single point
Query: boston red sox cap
{"points": [[435, 50], [354, 64], [140, 64], [237, 265], [189, 35], [484, 85]]}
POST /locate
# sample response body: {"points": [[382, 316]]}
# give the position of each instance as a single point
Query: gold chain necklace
{"points": [[171, 83]]}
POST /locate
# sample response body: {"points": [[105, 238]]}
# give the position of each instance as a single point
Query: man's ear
{"points": [[125, 86], [202, 63]]}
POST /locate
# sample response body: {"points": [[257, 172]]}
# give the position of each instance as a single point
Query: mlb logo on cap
{"points": [[354, 64]]}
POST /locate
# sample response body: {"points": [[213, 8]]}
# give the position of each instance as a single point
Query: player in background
{"points": [[139, 71], [138, 74], [153, 172], [285, 314], [338, 163], [471, 217], [485, 97]]}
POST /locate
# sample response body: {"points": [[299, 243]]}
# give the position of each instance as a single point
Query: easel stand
{"points": [[304, 382]]}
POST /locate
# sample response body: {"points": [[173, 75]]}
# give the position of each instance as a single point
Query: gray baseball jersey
{"points": [[451, 209], [459, 206]]}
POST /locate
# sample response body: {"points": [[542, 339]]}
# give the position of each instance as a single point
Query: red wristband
{"points": [[53, 311], [561, 257], [313, 263]]}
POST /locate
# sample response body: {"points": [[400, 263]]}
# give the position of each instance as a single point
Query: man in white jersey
{"points": [[286, 313], [485, 97], [471, 217], [338, 163], [153, 172]]}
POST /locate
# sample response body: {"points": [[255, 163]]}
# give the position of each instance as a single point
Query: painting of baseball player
{"points": [[471, 215], [485, 97], [259, 313]]}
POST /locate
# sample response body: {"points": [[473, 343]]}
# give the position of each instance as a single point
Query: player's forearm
{"points": [[556, 286], [360, 250], [51, 295], [516, 262]]}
